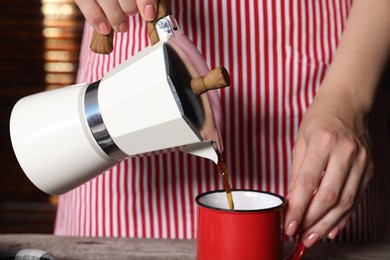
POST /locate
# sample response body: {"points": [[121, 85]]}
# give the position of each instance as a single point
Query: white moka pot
{"points": [[65, 137]]}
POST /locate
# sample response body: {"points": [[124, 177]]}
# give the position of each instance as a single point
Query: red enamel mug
{"points": [[253, 230]]}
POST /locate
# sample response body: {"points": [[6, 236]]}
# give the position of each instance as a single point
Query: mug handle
{"points": [[298, 251]]}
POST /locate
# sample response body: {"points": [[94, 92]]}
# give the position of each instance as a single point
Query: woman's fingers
{"points": [[298, 156], [94, 15], [147, 9], [344, 219], [104, 15], [306, 181], [339, 212], [114, 14], [128, 6], [338, 170]]}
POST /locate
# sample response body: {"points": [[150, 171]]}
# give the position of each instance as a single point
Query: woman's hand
{"points": [[331, 168], [106, 14], [331, 159]]}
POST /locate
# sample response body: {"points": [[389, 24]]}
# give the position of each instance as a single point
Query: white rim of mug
{"points": [[198, 197]]}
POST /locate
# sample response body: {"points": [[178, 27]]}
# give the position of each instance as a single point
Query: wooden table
{"points": [[123, 248]]}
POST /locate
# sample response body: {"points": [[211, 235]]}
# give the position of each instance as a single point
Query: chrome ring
{"points": [[96, 123]]}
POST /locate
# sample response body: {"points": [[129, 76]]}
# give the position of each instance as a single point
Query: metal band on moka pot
{"points": [[96, 124]]}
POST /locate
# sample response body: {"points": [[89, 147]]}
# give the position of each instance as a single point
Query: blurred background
{"points": [[40, 41]]}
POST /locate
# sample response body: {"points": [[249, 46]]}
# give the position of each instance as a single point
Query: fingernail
{"points": [[311, 239], [333, 233], [123, 27], [150, 13], [104, 28], [292, 228]]}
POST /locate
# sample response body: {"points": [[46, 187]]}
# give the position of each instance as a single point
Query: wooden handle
{"points": [[102, 44], [163, 9], [217, 78]]}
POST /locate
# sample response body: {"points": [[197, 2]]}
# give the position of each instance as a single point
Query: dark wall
{"points": [[23, 208]]}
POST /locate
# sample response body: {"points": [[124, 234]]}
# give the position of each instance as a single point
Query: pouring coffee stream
{"points": [[222, 168]]}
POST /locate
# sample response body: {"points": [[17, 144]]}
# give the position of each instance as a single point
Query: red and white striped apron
{"points": [[277, 53]]}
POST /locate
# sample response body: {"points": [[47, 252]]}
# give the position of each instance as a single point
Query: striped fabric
{"points": [[277, 53]]}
